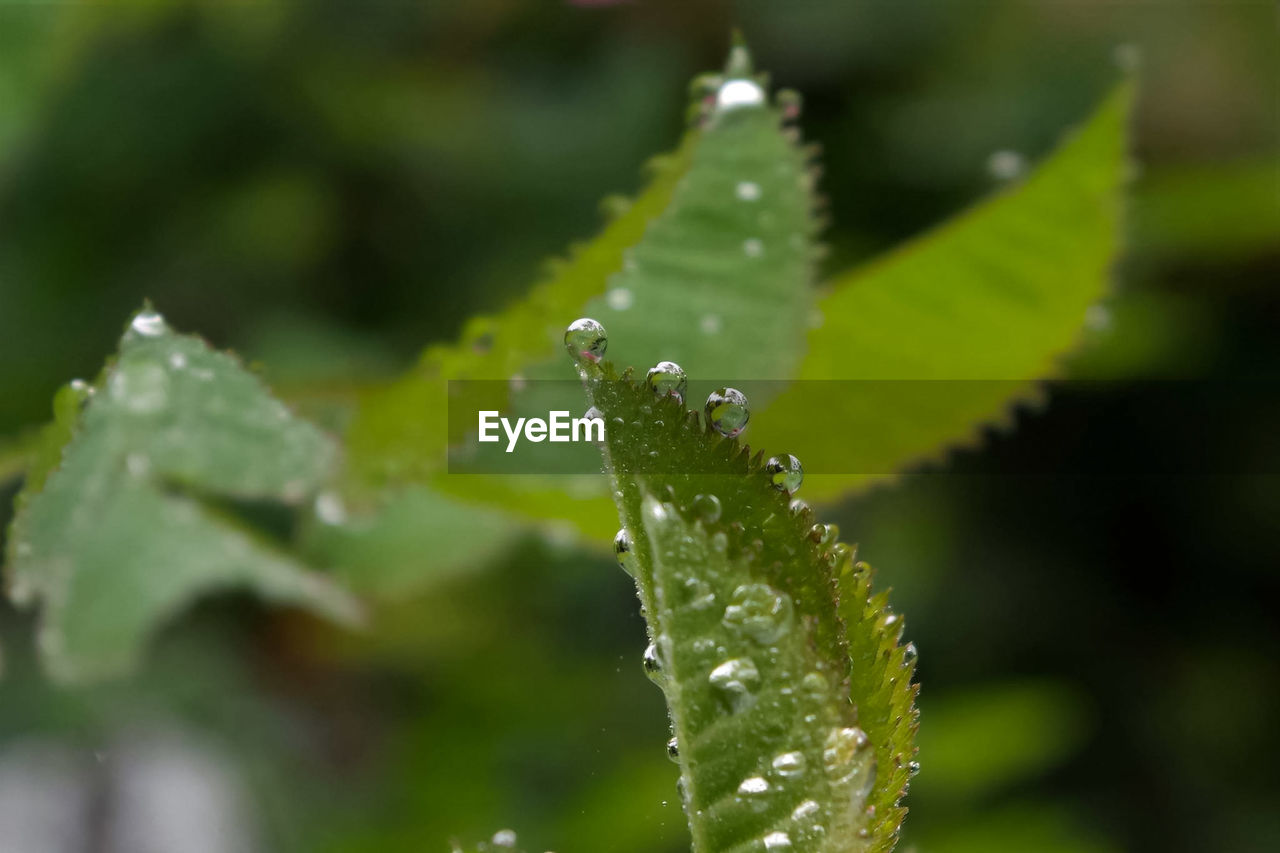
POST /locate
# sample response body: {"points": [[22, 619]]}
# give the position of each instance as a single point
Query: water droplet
{"points": [[840, 752], [149, 324], [747, 191], [814, 685], [620, 298], [706, 508], [909, 654], [777, 841], [698, 594], [177, 360], [754, 792], [673, 749], [1005, 165], [759, 611], [652, 663], [805, 810], [752, 247], [824, 534], [785, 472], [913, 767], [727, 411], [622, 546], [736, 680], [330, 509], [789, 764], [667, 378], [736, 94], [585, 339], [710, 324], [504, 838], [798, 506]]}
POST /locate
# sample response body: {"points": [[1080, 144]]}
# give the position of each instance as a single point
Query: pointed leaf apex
{"points": [[739, 64]]}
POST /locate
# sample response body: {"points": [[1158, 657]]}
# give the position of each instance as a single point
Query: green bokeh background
{"points": [[328, 187]]}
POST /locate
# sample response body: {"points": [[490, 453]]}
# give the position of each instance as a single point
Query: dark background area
{"points": [[328, 187]]}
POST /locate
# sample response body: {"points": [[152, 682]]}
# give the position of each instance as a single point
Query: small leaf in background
{"points": [[993, 298], [739, 590], [125, 532]]}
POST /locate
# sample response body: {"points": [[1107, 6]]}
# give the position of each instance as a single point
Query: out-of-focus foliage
{"points": [[120, 526], [989, 302]]}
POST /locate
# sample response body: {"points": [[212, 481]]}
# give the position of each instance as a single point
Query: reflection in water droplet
{"points": [[777, 841], [149, 324], [667, 378], [785, 472], [789, 764], [736, 681], [909, 654], [760, 612], [747, 191], [727, 411], [735, 94], [619, 298], [622, 550], [585, 339], [652, 663], [824, 534], [706, 508]]}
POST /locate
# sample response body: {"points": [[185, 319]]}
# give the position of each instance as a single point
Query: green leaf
{"points": [[755, 618], [982, 307], [135, 522], [401, 430]]}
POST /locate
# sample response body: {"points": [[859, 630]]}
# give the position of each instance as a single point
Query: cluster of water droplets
{"points": [[760, 618]]}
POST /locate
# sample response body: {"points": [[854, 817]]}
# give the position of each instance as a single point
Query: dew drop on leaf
{"points": [[652, 663], [777, 841], [585, 339], [727, 411], [673, 749], [785, 473], [504, 838], [754, 792], [760, 612], [622, 550], [149, 324], [789, 764], [706, 508], [736, 682], [736, 94], [667, 378]]}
